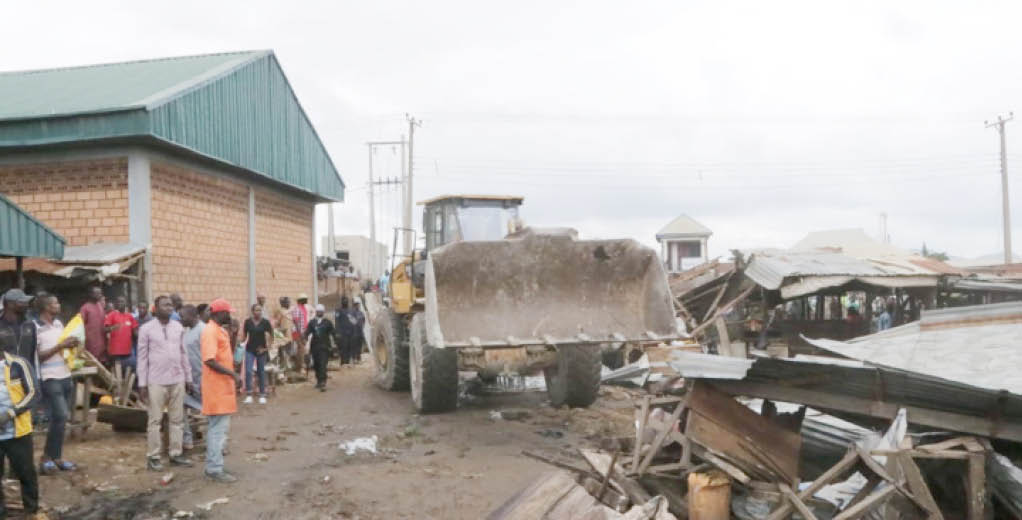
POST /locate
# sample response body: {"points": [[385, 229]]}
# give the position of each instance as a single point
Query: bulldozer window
{"points": [[485, 223]]}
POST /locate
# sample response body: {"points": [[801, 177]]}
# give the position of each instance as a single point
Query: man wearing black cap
{"points": [[17, 332]]}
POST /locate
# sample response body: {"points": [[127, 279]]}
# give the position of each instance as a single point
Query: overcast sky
{"points": [[762, 120]]}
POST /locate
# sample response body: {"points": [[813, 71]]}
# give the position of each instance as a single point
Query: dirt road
{"points": [[287, 456]]}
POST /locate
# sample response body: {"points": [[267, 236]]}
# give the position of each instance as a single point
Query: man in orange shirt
{"points": [[219, 384]]}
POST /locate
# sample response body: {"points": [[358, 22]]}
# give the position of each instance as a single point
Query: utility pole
{"points": [[1005, 204], [376, 263], [408, 185], [372, 219]]}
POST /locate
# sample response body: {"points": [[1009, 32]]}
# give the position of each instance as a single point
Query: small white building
{"points": [[683, 243]]}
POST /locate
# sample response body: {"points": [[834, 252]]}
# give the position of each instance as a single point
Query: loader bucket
{"points": [[546, 289]]}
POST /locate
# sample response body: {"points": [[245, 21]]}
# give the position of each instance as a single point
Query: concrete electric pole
{"points": [[409, 193], [1005, 204]]}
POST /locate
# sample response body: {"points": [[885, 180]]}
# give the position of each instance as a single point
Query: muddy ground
{"points": [[287, 455]]}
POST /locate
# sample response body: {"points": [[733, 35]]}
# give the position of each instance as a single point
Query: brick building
{"points": [[207, 163]]}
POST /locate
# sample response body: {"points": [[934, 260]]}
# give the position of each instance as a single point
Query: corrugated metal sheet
{"points": [[236, 108], [1005, 285], [23, 235], [104, 88], [890, 385], [976, 345], [98, 261], [101, 253], [807, 272]]}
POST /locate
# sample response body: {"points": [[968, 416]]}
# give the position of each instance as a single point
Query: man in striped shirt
{"points": [[300, 315]]}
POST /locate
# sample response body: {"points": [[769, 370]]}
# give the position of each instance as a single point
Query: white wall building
{"points": [[683, 243], [360, 252]]}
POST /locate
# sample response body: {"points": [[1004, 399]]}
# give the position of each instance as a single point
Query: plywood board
{"points": [[756, 445]]}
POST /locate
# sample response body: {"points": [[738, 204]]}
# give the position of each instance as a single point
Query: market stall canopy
{"points": [[23, 235], [798, 273], [99, 261]]}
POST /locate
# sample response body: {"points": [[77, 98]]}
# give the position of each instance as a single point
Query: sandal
{"points": [[66, 466], [48, 467]]}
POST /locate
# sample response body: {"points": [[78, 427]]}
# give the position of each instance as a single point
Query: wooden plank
{"points": [[556, 463], [871, 483], [126, 390], [606, 476], [723, 339], [945, 445], [611, 498], [759, 447], [659, 440], [916, 454], [725, 466], [723, 309], [108, 378], [875, 500], [640, 431], [837, 470], [538, 499], [917, 484], [883, 410], [601, 463], [872, 465], [975, 486], [796, 502], [720, 294]]}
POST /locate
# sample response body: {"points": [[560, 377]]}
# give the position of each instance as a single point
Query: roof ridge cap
{"points": [[113, 63]]}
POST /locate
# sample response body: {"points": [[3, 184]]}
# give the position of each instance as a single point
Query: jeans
{"points": [[19, 452], [58, 395], [257, 362], [173, 398], [216, 436]]}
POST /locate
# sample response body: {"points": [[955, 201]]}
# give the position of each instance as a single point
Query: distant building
{"points": [[683, 243], [369, 263]]}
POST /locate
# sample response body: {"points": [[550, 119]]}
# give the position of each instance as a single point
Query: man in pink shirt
{"points": [[93, 315], [300, 315], [163, 375]]}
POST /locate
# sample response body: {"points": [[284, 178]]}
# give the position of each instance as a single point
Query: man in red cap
{"points": [[219, 384]]}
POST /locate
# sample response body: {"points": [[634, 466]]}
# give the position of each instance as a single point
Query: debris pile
{"points": [[809, 437]]}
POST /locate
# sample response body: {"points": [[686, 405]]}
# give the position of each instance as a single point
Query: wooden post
{"points": [[19, 272], [975, 486]]}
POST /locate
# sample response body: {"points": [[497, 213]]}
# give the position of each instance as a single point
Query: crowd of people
{"points": [[183, 355]]}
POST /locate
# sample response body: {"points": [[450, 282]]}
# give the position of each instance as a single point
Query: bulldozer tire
{"points": [[575, 379], [390, 352], [433, 372]]}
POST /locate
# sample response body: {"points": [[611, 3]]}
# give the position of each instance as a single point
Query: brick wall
{"points": [[86, 201], [283, 245], [200, 235]]}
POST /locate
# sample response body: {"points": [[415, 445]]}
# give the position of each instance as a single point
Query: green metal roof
{"points": [[237, 108], [22, 235]]}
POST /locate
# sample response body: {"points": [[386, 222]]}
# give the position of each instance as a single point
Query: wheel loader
{"points": [[488, 295]]}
